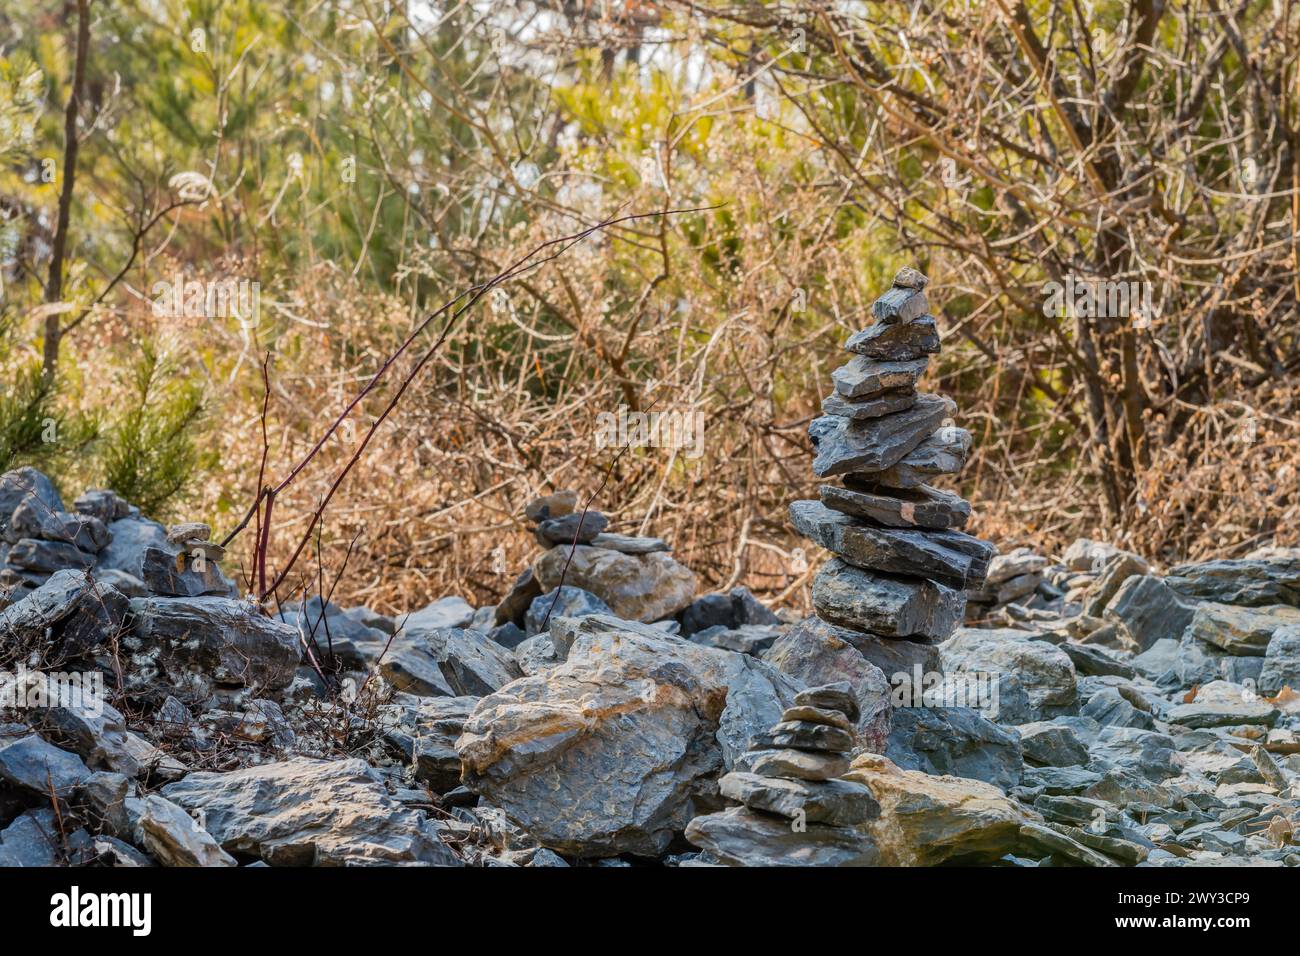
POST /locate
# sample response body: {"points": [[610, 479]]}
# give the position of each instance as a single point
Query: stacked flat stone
{"points": [[793, 810], [902, 567]]}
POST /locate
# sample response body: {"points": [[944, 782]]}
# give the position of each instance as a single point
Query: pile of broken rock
{"points": [[615, 721]]}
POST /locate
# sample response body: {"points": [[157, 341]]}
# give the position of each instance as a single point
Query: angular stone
{"points": [[629, 544], [448, 612], [561, 531], [555, 505], [818, 715], [1221, 714], [928, 820], [1281, 662], [1019, 562], [909, 277], [1052, 745], [426, 737], [898, 342], [834, 802], [567, 601], [174, 838], [886, 605], [1148, 609], [33, 519], [305, 812], [837, 697], [1244, 631], [37, 767], [740, 837], [1094, 662], [943, 453], [128, 539], [46, 557], [920, 507], [644, 587], [217, 639], [957, 741], [794, 764], [900, 305], [17, 484], [604, 753], [874, 406], [804, 735], [845, 446], [174, 574], [949, 557], [188, 531], [752, 639], [1044, 671], [816, 656], [27, 619], [107, 506], [515, 604], [31, 840], [447, 662], [863, 377], [1252, 583], [732, 610], [894, 657]]}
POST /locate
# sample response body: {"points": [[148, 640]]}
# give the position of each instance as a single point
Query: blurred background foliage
{"points": [[364, 161]]}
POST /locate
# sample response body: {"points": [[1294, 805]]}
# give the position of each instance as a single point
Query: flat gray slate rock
{"points": [[845, 446], [900, 305], [886, 605], [863, 377], [943, 453], [950, 557], [919, 507], [896, 342], [837, 802], [886, 403], [741, 837]]}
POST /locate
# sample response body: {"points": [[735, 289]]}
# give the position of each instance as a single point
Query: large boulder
{"points": [[957, 741], [1147, 609], [201, 641], [1251, 582], [743, 837], [815, 653], [129, 539], [607, 752], [305, 812], [1045, 672], [637, 587], [927, 820], [1241, 631], [447, 662]]}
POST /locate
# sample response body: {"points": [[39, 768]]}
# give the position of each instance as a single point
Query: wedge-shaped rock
{"points": [[638, 587], [927, 820], [741, 837], [845, 446], [896, 342], [837, 802], [863, 377], [900, 305], [949, 557], [885, 604], [942, 453], [194, 640], [1251, 582], [305, 812], [1244, 631], [605, 752], [447, 662], [860, 409], [920, 507]]}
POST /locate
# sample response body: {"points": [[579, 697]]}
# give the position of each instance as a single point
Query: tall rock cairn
{"points": [[902, 567]]}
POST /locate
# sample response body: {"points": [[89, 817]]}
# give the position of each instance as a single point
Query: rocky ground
{"points": [[1091, 712]]}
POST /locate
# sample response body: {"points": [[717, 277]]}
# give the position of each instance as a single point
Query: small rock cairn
{"points": [[902, 568], [794, 811]]}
